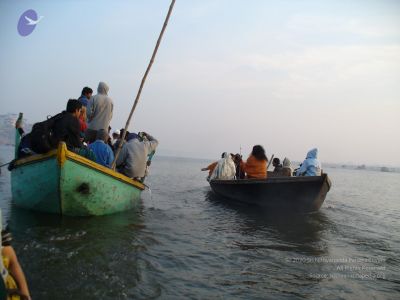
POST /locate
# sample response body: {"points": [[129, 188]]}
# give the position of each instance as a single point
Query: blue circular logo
{"points": [[27, 22]]}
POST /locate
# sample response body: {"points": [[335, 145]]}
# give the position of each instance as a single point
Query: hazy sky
{"points": [[290, 75]]}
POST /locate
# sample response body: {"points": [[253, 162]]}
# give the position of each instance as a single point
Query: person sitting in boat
{"points": [[115, 137], [99, 112], [132, 160], [67, 127], [256, 165], [225, 168], [14, 279], [118, 141], [237, 159], [311, 165], [286, 168], [276, 163], [210, 168], [103, 152]]}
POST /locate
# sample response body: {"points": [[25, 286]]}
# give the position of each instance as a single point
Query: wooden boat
{"points": [[297, 194], [65, 183]]}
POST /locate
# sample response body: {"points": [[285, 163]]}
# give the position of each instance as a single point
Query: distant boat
{"points": [[65, 183], [295, 194]]}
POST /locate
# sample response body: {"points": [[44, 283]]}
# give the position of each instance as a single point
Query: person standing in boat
{"points": [[86, 94], [311, 165], [132, 160], [256, 165], [99, 112], [84, 99], [103, 152]]}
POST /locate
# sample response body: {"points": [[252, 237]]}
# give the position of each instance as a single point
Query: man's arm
{"points": [[303, 168], [16, 270], [152, 143], [90, 110], [75, 132]]}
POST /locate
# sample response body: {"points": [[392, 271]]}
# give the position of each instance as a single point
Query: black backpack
{"points": [[42, 137]]}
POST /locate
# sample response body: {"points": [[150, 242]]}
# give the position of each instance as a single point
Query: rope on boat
{"points": [[142, 83]]}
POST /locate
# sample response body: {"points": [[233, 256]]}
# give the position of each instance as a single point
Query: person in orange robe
{"points": [[256, 165]]}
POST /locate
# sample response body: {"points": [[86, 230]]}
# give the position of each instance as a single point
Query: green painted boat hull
{"points": [[73, 187]]}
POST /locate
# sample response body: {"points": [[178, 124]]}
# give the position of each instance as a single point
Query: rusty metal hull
{"points": [[65, 183], [296, 194]]}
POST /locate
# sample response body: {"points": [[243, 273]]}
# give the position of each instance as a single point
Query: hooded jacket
{"points": [[132, 160], [311, 165], [287, 167], [100, 109], [225, 168]]}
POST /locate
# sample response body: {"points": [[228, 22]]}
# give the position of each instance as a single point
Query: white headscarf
{"points": [[225, 168]]}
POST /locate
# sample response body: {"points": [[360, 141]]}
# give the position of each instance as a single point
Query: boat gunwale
{"points": [[78, 159], [271, 180], [34, 158]]}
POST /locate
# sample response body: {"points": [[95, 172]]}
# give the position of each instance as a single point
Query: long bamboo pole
{"points": [[142, 83]]}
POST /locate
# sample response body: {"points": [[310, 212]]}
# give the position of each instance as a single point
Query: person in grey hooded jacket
{"points": [[99, 112], [311, 165], [132, 160]]}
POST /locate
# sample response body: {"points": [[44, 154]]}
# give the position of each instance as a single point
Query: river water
{"points": [[185, 243]]}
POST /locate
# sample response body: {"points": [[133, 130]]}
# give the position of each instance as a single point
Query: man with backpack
{"points": [[67, 127], [64, 126]]}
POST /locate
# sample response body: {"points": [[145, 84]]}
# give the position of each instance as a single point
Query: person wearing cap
{"points": [[103, 152], [115, 136], [132, 160]]}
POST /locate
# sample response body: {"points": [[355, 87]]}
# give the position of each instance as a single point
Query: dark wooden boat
{"points": [[297, 194]]}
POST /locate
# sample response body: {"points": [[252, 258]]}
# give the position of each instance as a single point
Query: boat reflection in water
{"points": [[290, 232]]}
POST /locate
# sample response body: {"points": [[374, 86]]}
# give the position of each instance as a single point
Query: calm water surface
{"points": [[184, 243]]}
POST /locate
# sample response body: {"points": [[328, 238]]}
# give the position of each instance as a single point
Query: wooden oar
{"points": [[270, 161], [142, 83], [5, 164]]}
